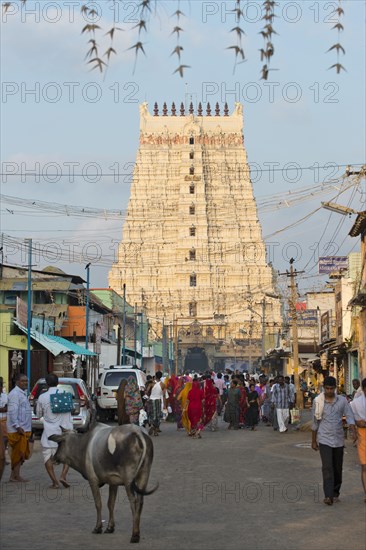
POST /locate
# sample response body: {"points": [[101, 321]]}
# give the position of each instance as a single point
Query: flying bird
{"points": [[269, 17], [265, 72], [337, 47], [112, 31], [177, 30], [238, 50], [93, 50], [238, 31], [90, 27], [145, 5], [140, 25], [177, 50], [109, 52], [98, 63], [178, 13], [181, 68], [138, 46], [338, 67]]}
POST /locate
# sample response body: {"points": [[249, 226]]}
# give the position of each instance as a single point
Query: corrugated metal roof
{"points": [[16, 283], [55, 344], [51, 271]]}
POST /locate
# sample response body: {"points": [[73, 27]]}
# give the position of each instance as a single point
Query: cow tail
{"points": [[134, 486], [140, 491]]}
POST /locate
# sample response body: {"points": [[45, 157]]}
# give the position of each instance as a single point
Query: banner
{"points": [[22, 312]]}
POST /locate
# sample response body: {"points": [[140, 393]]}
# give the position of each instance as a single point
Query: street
{"points": [[231, 489]]}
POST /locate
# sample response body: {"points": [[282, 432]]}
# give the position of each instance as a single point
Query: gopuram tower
{"points": [[192, 253]]}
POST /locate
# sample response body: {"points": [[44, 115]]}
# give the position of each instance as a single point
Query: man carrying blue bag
{"points": [[49, 404]]}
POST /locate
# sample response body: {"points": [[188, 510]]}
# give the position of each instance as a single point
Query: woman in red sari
{"points": [[171, 387], [243, 402], [195, 409], [210, 395]]}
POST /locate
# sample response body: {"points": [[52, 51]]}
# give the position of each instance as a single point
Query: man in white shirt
{"points": [[358, 407], [19, 426], [53, 424], [357, 389], [220, 383], [156, 398], [3, 432]]}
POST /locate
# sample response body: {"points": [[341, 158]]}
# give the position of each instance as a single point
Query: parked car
{"points": [[108, 383], [83, 402]]}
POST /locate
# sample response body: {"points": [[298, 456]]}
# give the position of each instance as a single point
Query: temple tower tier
{"points": [[192, 253]]}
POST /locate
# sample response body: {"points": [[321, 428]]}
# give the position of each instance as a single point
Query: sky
{"points": [[77, 128]]}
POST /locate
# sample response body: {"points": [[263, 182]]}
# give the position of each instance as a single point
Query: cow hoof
{"points": [[135, 538], [109, 530], [97, 530]]}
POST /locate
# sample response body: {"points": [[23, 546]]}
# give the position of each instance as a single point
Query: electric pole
{"points": [[29, 312], [292, 274], [175, 326], [124, 327]]}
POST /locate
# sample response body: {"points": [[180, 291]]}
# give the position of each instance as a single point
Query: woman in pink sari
{"points": [[195, 400]]}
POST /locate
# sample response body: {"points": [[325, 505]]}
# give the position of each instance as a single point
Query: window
{"points": [[191, 189], [192, 254], [192, 231], [191, 155], [10, 299], [192, 209], [191, 171], [191, 141], [193, 280], [192, 307]]}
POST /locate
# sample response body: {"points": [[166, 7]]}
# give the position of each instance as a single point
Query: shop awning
{"points": [[55, 344]]}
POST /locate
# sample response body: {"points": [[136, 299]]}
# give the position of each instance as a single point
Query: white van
{"points": [[107, 387]]}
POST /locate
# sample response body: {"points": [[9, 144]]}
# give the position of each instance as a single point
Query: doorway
{"points": [[196, 360]]}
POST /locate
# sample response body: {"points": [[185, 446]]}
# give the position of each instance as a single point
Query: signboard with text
{"points": [[307, 317], [325, 326], [331, 264]]}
